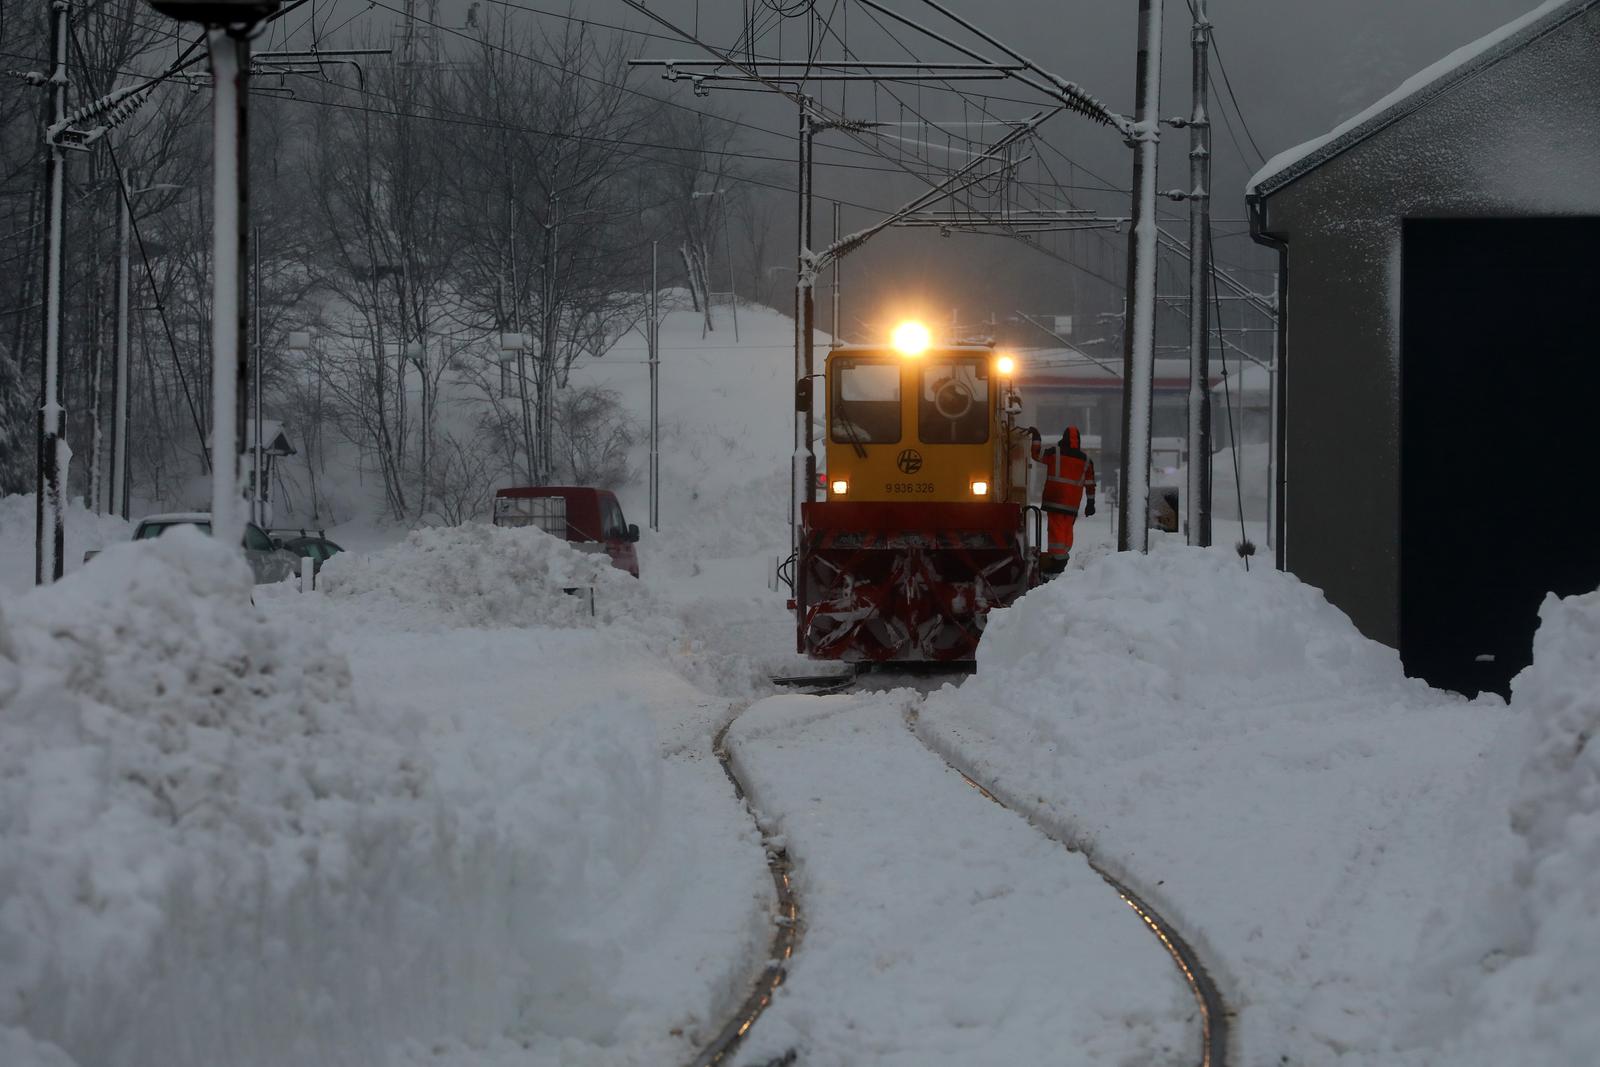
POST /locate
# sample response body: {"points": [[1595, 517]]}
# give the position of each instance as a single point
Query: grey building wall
{"points": [[1519, 138]]}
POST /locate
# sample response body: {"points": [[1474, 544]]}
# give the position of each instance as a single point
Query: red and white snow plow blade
{"points": [[912, 582]]}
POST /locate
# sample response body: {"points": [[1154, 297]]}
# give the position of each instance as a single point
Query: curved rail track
{"points": [[785, 936], [1213, 1010]]}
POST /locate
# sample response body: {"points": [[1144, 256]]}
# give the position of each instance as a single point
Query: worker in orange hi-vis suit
{"points": [[1069, 476]]}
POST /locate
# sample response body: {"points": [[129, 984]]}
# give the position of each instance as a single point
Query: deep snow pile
{"points": [[481, 575], [85, 530], [212, 852], [1527, 956], [487, 577], [1229, 743], [1176, 629]]}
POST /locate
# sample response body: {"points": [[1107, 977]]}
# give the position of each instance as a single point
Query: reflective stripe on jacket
{"points": [[1069, 473]]}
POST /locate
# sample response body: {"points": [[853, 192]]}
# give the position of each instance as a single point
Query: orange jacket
{"points": [[1069, 474]]}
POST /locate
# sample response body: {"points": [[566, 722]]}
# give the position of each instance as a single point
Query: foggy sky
{"points": [[1298, 67]]}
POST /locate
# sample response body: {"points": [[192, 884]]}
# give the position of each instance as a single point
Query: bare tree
{"points": [[551, 199]]}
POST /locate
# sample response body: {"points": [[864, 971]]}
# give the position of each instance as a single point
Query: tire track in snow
{"points": [[1214, 1015], [785, 936]]}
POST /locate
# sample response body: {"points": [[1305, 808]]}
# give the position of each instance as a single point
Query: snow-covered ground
{"points": [[939, 928], [440, 813], [342, 827], [1336, 839]]}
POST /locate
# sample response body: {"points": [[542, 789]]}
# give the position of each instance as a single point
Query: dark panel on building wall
{"points": [[1500, 378]]}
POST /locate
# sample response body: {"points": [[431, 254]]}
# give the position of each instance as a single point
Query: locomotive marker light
{"points": [[911, 338], [980, 487], [228, 24], [840, 487]]}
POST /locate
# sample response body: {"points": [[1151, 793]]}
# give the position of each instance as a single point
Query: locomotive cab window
{"points": [[953, 403], [865, 406]]}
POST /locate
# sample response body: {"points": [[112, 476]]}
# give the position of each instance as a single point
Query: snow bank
{"points": [[85, 530], [1266, 775], [489, 577], [1173, 630], [211, 852], [1528, 995], [482, 576]]}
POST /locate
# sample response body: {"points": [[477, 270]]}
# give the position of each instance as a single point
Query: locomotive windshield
{"points": [[865, 406], [953, 402]]}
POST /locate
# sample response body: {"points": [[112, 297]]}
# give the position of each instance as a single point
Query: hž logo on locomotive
{"points": [[909, 460]]}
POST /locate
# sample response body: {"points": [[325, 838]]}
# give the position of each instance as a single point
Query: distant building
{"points": [[1440, 351], [1066, 386]]}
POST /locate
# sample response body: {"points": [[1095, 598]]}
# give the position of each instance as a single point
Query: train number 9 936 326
{"points": [[908, 487]]}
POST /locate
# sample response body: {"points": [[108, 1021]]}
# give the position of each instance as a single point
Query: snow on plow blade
{"points": [[907, 582]]}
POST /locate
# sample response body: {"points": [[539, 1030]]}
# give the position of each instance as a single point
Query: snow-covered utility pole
{"points": [[119, 424], [833, 333], [1198, 491], [229, 317], [258, 497], [1138, 355], [803, 473], [54, 455], [228, 25], [653, 340]]}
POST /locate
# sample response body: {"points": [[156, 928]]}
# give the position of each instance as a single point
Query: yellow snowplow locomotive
{"points": [[923, 531]]}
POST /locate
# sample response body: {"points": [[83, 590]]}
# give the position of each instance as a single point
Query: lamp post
{"points": [[119, 432], [228, 25]]}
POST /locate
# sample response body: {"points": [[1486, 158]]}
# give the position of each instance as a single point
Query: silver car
{"points": [[268, 562]]}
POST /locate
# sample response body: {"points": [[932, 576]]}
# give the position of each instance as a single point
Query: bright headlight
{"points": [[911, 338]]}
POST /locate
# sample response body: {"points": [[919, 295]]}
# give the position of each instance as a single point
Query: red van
{"points": [[589, 518]]}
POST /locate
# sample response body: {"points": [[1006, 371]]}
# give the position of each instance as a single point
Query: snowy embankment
{"points": [[244, 835], [1335, 838], [1514, 979], [939, 928], [85, 530]]}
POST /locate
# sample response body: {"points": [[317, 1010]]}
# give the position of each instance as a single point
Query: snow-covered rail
{"points": [[785, 935], [1213, 1010]]}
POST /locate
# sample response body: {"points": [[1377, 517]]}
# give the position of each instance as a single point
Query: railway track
{"points": [[785, 936], [1212, 1009]]}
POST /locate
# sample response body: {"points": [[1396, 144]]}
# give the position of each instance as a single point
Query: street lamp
{"points": [[119, 433], [228, 26]]}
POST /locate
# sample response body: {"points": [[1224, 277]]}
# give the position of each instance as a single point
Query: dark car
{"points": [[589, 519], [315, 547], [268, 562]]}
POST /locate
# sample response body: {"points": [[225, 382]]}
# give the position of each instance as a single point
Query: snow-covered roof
{"points": [[179, 516], [273, 439], [1415, 93]]}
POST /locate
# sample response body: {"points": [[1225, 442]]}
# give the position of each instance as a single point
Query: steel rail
{"points": [[785, 936], [1214, 1014]]}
